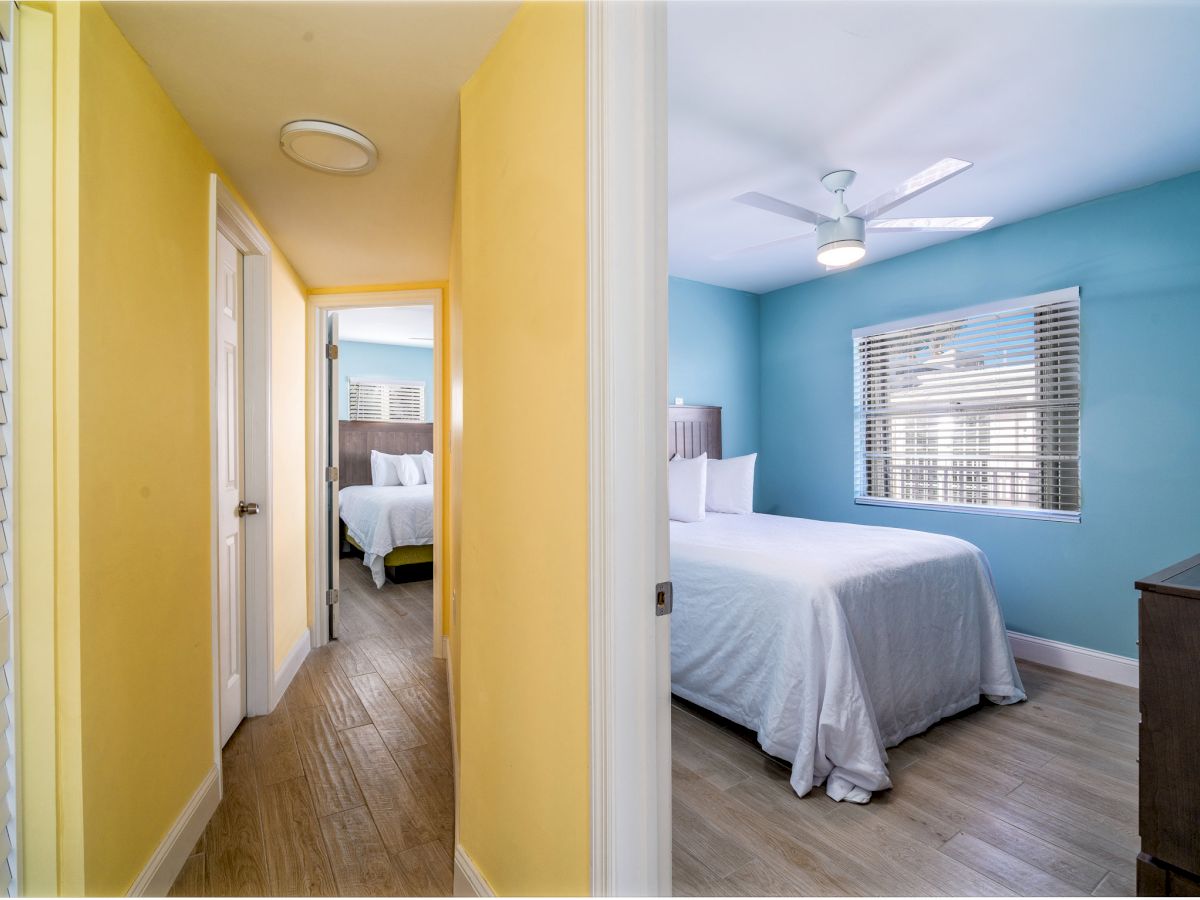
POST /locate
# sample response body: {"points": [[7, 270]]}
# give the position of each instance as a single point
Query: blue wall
{"points": [[390, 362], [1136, 258], [714, 357]]}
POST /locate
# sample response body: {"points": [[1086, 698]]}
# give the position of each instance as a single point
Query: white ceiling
{"points": [[1055, 103], [408, 325], [391, 70]]}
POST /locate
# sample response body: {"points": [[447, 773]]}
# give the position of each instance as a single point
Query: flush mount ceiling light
{"points": [[327, 147], [841, 238]]}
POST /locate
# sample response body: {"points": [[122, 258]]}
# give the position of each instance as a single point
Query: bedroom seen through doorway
{"points": [[378, 489]]}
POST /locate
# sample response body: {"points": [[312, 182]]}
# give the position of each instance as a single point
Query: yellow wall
{"points": [[289, 441], [523, 619], [144, 497], [130, 717]]}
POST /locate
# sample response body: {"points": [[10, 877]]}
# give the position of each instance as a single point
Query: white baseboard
{"points": [[291, 665], [167, 862], [468, 882], [1080, 660]]}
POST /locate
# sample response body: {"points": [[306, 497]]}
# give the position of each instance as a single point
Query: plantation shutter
{"points": [[7, 719], [387, 401], [977, 410]]}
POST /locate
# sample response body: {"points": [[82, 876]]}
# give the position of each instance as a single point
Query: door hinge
{"points": [[331, 473], [331, 597], [331, 351], [664, 598]]}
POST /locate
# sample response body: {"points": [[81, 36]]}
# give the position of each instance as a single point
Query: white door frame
{"points": [[627, 397], [227, 214], [319, 306]]}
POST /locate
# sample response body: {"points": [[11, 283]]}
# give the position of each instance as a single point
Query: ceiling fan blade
{"points": [[911, 187], [778, 243], [781, 207], [935, 223]]}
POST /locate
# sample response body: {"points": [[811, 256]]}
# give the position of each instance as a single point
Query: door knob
{"points": [[247, 509]]}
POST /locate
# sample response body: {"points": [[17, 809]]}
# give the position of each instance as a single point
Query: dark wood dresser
{"points": [[1169, 735]]}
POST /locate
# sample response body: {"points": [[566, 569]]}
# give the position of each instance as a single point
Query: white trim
{"points": [[320, 305], [8, 558], [1080, 660], [226, 214], [291, 665], [468, 880], [168, 859], [1011, 512], [627, 340], [996, 307]]}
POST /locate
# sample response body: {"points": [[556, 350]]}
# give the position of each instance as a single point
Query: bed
{"points": [[831, 641], [392, 526]]}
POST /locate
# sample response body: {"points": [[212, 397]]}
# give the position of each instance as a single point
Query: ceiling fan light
{"points": [[840, 242], [841, 253]]}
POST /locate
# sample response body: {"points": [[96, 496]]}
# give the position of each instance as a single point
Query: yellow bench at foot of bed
{"points": [[402, 556]]}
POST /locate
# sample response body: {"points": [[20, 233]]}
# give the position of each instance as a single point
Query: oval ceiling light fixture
{"points": [[327, 147]]}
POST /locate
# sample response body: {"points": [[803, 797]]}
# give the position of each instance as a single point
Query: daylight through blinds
{"points": [[382, 401], [978, 410]]}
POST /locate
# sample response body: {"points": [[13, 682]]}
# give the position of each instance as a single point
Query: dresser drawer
{"points": [[1169, 733], [1156, 880]]}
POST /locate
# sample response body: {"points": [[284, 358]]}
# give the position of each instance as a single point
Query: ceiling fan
{"points": [[841, 237]]}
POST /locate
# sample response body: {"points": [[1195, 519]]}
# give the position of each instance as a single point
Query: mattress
{"points": [[833, 641], [379, 519]]}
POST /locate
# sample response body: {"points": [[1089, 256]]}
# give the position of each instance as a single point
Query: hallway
{"points": [[347, 787]]}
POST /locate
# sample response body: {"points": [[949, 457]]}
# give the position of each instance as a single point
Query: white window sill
{"points": [[971, 509]]}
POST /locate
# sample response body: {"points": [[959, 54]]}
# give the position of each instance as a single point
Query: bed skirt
{"points": [[400, 556]]}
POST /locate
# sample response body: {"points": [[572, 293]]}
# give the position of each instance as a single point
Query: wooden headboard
{"points": [[694, 430], [356, 440]]}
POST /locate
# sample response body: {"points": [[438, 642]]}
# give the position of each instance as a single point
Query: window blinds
{"points": [[387, 401], [978, 409]]}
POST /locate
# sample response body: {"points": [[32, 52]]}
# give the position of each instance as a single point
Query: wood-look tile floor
{"points": [[347, 787], [1038, 799]]}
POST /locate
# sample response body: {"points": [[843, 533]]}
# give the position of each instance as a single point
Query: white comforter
{"points": [[382, 518], [832, 640]]}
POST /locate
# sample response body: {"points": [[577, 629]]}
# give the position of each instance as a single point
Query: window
{"points": [[387, 401], [975, 410]]}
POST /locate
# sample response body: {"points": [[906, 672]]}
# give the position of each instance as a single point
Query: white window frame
{"points": [[948, 316], [384, 382]]}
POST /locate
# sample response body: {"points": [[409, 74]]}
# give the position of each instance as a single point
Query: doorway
{"points": [[377, 398], [231, 508], [240, 263]]}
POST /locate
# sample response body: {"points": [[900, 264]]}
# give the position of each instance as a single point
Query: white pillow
{"points": [[383, 469], [731, 485], [686, 488], [407, 469], [427, 466]]}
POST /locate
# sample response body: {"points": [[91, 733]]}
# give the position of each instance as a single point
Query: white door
{"points": [[231, 603], [332, 407]]}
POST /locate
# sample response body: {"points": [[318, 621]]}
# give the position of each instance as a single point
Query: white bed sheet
{"points": [[833, 641], [382, 518]]}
